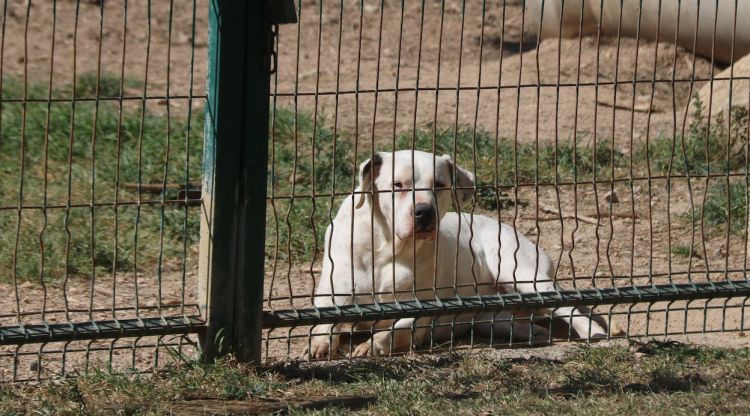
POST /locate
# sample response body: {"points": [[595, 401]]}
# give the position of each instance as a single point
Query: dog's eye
{"points": [[439, 185], [398, 185]]}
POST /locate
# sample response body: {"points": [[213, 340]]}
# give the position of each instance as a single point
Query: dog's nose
{"points": [[424, 216]]}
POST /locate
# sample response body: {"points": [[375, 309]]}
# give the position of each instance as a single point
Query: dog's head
{"points": [[413, 190]]}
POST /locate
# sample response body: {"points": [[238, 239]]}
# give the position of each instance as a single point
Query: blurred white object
{"points": [[695, 20], [717, 95]]}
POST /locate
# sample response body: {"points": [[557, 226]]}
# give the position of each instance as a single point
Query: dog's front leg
{"points": [[324, 339], [399, 337], [324, 342]]}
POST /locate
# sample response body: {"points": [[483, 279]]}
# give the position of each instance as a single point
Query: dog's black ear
{"points": [[463, 178], [368, 171]]}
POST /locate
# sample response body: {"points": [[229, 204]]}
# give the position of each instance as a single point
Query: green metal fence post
{"points": [[234, 184]]}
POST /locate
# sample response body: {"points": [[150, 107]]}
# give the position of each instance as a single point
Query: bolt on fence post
{"points": [[234, 179]]}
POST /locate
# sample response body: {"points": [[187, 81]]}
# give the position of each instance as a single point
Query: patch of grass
{"points": [[719, 147], [85, 87], [516, 163], [666, 378], [725, 205], [589, 381], [705, 148], [304, 162], [683, 352], [682, 250], [43, 164], [582, 161], [702, 151], [109, 85]]}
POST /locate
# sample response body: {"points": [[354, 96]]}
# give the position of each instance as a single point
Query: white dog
{"points": [[394, 239]]}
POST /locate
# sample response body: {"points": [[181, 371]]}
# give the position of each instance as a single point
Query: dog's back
{"points": [[490, 254]]}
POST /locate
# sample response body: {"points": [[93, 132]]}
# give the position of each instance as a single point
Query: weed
{"points": [[679, 351], [705, 148], [682, 250], [725, 205]]}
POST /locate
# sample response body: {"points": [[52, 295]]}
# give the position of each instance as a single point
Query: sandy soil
{"points": [[423, 68], [95, 39], [457, 60]]}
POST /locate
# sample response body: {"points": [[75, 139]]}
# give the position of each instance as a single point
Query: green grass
{"points": [[705, 148], [81, 240], [725, 205], [682, 250], [304, 162], [644, 378], [109, 85]]}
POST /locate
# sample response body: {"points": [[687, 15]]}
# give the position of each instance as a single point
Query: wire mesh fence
{"points": [[101, 152], [613, 135], [609, 137]]}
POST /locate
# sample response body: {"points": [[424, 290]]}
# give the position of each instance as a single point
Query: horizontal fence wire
{"points": [[37, 362], [618, 146], [100, 330], [538, 300], [101, 146]]}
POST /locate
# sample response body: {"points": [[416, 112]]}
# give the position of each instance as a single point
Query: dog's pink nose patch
{"points": [[425, 235]]}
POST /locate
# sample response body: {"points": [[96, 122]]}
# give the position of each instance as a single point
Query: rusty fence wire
{"points": [[612, 135], [101, 138]]}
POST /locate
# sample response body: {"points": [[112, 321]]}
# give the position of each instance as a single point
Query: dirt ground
{"points": [[373, 75], [156, 36], [457, 59]]}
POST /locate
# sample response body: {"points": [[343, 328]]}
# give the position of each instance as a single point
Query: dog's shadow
{"points": [[559, 328], [349, 371]]}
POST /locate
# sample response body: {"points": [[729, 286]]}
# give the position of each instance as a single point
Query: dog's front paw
{"points": [[365, 349], [320, 350]]}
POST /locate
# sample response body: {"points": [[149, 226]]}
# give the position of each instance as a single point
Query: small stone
{"points": [[183, 38], [616, 331], [34, 366], [611, 197], [720, 252]]}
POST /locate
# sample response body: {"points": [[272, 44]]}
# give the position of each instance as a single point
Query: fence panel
{"points": [[590, 127], [101, 144]]}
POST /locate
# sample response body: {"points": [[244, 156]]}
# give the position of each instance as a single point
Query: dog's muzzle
{"points": [[424, 221]]}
